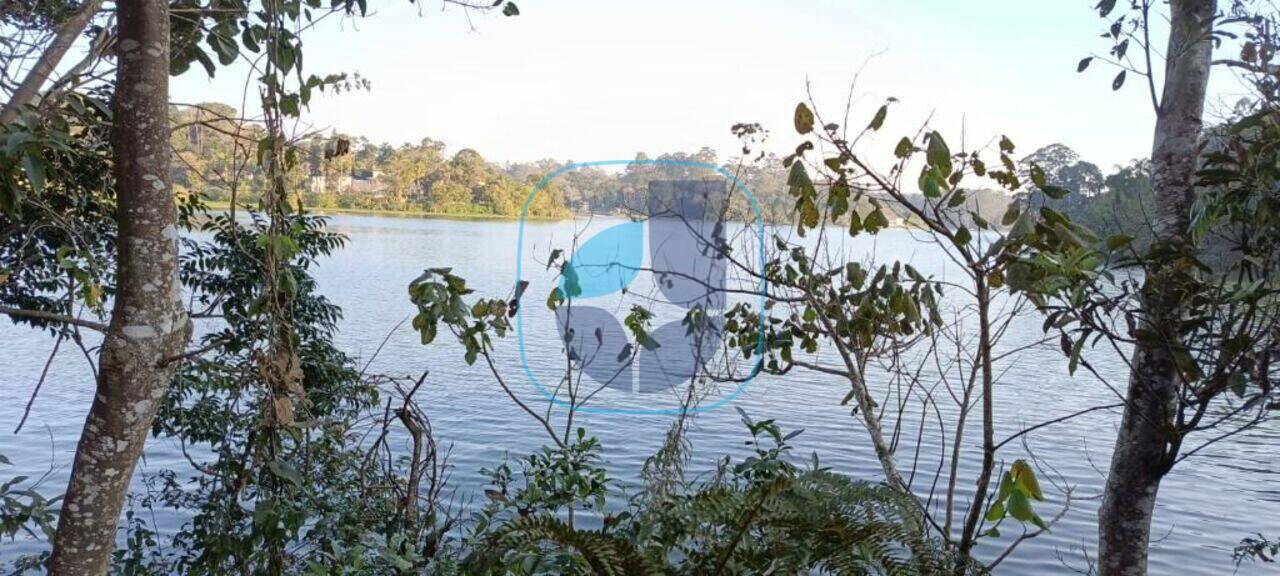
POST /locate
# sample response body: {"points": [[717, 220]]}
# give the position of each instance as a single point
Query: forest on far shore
{"points": [[350, 172]]}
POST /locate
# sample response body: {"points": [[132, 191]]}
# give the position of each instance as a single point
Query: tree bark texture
{"points": [[1146, 442], [148, 322]]}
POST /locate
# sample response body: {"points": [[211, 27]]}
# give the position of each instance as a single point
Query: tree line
{"points": [[351, 172]]}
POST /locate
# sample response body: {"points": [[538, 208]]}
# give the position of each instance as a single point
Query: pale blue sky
{"points": [[594, 79]]}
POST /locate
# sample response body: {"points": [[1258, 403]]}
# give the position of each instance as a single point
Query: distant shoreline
{"points": [[426, 215], [421, 214]]}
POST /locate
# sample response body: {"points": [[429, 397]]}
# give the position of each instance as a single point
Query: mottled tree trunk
{"points": [[1146, 443], [148, 322]]}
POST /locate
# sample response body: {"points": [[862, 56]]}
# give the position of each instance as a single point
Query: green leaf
{"points": [[223, 45], [1119, 241], [34, 167], [798, 182], [875, 221], [286, 471], [838, 198], [878, 120], [996, 512], [803, 118], [1084, 63], [911, 309], [1055, 192], [572, 283], [1037, 176], [904, 148], [1011, 214], [809, 215], [1006, 486], [1119, 81], [938, 154], [1025, 478], [427, 328], [800, 186], [996, 279], [929, 183], [249, 38], [1024, 224], [510, 9], [1020, 507], [1074, 354], [289, 105], [647, 341], [963, 236], [204, 59], [555, 298], [855, 223]]}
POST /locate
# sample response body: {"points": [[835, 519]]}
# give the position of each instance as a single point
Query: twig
{"points": [[216, 343], [52, 317], [43, 374], [1057, 420]]}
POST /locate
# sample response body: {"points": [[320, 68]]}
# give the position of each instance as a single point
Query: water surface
{"points": [[1206, 506]]}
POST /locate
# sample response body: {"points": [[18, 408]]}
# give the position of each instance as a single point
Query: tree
{"points": [[148, 328], [64, 37], [1063, 167], [1125, 207], [149, 325], [1197, 303], [1144, 448], [884, 328]]}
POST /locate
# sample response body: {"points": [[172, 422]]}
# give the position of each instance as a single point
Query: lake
{"points": [[1211, 501]]}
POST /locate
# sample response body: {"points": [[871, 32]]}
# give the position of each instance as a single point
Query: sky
{"points": [[596, 80]]}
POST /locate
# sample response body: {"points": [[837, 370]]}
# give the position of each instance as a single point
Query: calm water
{"points": [[1210, 502]]}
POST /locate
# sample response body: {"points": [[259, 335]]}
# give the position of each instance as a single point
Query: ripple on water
{"points": [[1205, 507]]}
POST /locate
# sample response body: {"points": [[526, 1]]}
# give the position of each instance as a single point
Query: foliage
{"points": [[1018, 488], [214, 157], [1124, 209], [1258, 549], [255, 488], [1219, 274], [57, 207], [23, 509], [760, 515], [1063, 167], [874, 324]]}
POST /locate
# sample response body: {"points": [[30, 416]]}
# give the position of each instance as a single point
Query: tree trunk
{"points": [[148, 323], [969, 537], [1146, 443]]}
